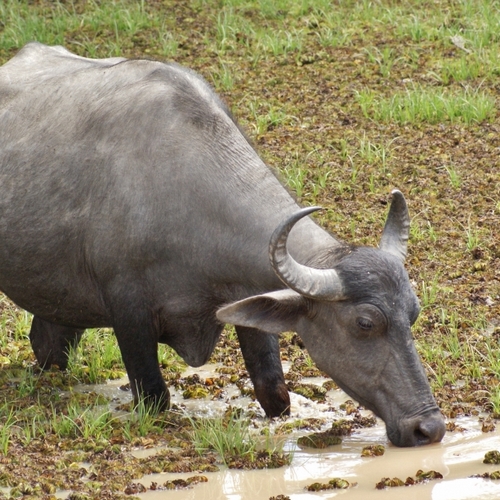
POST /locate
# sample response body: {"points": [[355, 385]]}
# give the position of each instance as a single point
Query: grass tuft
{"points": [[419, 104]]}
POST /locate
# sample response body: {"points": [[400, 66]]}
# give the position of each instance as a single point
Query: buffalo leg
{"points": [[262, 360], [52, 343], [139, 349]]}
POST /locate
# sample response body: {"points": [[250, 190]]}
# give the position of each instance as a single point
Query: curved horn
{"points": [[313, 283], [397, 227]]}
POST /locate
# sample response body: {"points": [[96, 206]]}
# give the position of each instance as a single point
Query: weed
{"points": [[226, 28], [429, 292], [415, 28], [296, 176], [169, 45], [5, 428], [87, 423], [228, 436], [265, 121], [223, 78], [280, 42], [426, 105], [169, 360], [474, 368], [367, 101], [332, 36], [34, 428], [373, 153], [384, 58], [463, 69], [97, 357], [432, 232], [495, 400], [28, 383], [454, 175], [472, 239], [142, 420]]}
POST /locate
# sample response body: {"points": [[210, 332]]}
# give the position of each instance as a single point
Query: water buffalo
{"points": [[129, 198]]}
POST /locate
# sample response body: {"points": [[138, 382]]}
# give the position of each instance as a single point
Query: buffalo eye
{"points": [[369, 320], [365, 323]]}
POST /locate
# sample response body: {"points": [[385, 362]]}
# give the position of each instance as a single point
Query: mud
{"points": [[457, 458]]}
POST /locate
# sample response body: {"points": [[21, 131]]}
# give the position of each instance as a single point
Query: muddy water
{"points": [[459, 456]]}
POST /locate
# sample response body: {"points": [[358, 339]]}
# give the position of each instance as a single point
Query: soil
{"points": [[349, 163]]}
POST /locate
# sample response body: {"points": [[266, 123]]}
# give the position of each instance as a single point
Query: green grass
{"points": [[429, 292], [228, 436], [8, 421], [495, 400], [419, 104], [142, 421], [384, 58], [97, 358], [455, 179], [348, 100], [231, 436], [56, 23], [86, 423]]}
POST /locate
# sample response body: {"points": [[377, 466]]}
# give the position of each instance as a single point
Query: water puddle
{"points": [[458, 457]]}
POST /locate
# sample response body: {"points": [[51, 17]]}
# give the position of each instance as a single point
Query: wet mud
{"points": [[458, 458]]}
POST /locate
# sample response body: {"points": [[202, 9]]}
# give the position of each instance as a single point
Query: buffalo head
{"points": [[354, 308]]}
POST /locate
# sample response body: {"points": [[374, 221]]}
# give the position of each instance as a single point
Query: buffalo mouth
{"points": [[420, 430], [427, 427]]}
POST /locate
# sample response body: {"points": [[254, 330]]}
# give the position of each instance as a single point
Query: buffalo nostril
{"points": [[420, 437], [419, 430], [430, 429]]}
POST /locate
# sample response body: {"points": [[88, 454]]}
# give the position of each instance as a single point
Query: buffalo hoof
{"points": [[275, 401], [155, 399]]}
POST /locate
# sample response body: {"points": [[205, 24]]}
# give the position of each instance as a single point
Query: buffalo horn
{"points": [[308, 281], [397, 227]]}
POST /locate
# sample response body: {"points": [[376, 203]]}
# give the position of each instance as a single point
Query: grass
{"points": [[346, 103], [374, 154], [142, 421], [472, 238], [454, 175], [228, 436], [495, 400], [119, 20], [231, 436], [5, 431], [86, 423], [419, 104], [97, 358], [429, 292], [384, 58]]}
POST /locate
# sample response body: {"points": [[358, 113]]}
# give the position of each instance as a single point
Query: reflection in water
{"points": [[459, 456]]}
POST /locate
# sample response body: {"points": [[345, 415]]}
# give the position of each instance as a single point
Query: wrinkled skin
{"points": [[129, 198]]}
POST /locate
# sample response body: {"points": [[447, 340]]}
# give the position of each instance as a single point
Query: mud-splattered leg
{"points": [[139, 348], [262, 359]]}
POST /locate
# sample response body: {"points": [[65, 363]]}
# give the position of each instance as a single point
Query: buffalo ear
{"points": [[273, 312]]}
